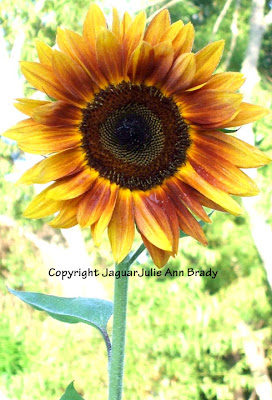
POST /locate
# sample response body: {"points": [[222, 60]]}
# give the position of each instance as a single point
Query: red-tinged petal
{"points": [[94, 22], [182, 193], [46, 139], [162, 199], [163, 60], [188, 175], [41, 206], [247, 113], [207, 60], [141, 63], [183, 42], [67, 216], [43, 79], [132, 38], [121, 229], [44, 53], [63, 43], [209, 106], [71, 187], [221, 173], [54, 167], [189, 225], [93, 203], [159, 256], [234, 150], [152, 222], [83, 55], [57, 113], [72, 76], [181, 74], [157, 27], [115, 27], [98, 228], [229, 81], [27, 106], [172, 31], [109, 54]]}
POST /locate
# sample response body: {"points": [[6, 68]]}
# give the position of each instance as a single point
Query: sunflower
{"points": [[134, 134]]}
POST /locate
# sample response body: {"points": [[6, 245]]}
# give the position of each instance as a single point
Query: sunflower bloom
{"points": [[134, 137]]}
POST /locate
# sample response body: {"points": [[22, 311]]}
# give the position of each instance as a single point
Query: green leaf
{"points": [[229, 130], [94, 312], [71, 393]]}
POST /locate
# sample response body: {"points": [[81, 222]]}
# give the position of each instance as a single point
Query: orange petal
{"points": [[71, 187], [57, 113], [189, 225], [183, 42], [159, 256], [180, 75], [207, 60], [121, 229], [27, 106], [132, 38], [188, 175], [229, 81], [109, 56], [162, 199], [234, 150], [93, 203], [41, 206], [141, 63], [247, 113], [209, 106], [44, 53], [182, 193], [163, 59], [47, 139], [221, 173], [54, 167], [72, 76], [157, 27], [67, 216], [98, 228], [43, 79], [94, 22], [152, 222], [83, 55], [125, 24]]}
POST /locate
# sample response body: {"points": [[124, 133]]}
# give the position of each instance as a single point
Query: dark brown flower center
{"points": [[134, 136]]}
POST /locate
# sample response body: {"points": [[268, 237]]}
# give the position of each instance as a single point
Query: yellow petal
{"points": [[181, 74], [247, 113], [71, 187], [183, 42], [163, 59], [172, 31], [27, 106], [67, 216], [94, 22], [21, 128], [72, 76], [152, 222], [230, 81], [207, 60], [141, 63], [41, 206], [57, 113], [98, 228], [121, 228], [109, 54], [159, 256], [188, 175], [54, 167], [115, 28], [43, 79], [44, 53]]}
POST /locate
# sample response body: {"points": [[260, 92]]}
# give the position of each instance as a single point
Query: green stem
{"points": [[119, 326]]}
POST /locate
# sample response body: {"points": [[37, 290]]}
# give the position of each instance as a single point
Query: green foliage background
{"points": [[183, 338]]}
